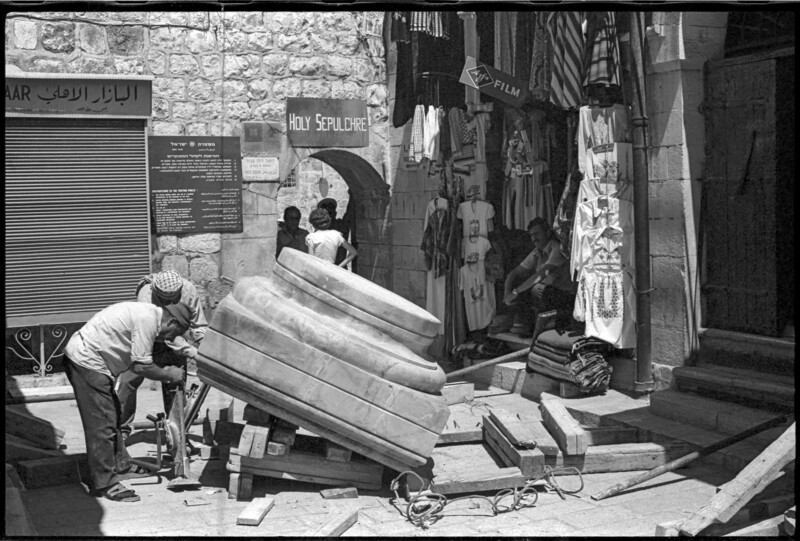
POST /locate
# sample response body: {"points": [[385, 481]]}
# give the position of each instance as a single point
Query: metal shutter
{"points": [[77, 217]]}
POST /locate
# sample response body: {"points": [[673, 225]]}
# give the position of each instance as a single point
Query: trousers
{"points": [[99, 409]]}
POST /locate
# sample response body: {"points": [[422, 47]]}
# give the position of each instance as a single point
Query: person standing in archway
{"points": [[324, 241], [342, 225], [291, 235]]}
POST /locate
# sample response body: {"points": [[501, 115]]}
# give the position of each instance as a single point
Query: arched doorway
{"points": [[367, 200]]}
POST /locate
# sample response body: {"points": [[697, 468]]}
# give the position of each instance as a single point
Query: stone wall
{"points": [[679, 44], [213, 71]]}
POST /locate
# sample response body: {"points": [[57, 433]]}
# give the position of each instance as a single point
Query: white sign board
{"points": [[255, 168]]}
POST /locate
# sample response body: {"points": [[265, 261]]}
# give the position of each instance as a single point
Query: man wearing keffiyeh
{"points": [[179, 297]]}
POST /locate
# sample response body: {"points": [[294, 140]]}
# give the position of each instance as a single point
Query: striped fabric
{"points": [[418, 133], [566, 37], [431, 22], [601, 57]]}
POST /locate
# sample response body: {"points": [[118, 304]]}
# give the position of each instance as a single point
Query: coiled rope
{"points": [[426, 507]]}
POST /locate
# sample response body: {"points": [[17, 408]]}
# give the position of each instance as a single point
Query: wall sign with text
{"points": [[493, 82], [318, 122], [57, 96], [195, 184]]}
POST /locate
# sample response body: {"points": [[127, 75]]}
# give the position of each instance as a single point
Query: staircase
{"points": [[740, 381]]}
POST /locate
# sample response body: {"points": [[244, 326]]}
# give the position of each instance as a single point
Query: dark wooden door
{"points": [[741, 285]]}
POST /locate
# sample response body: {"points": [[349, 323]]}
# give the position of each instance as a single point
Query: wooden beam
{"points": [[233, 485], [339, 493], [571, 438], [764, 469], [619, 458], [255, 512], [322, 479], [283, 435], [336, 452], [246, 440], [254, 415], [245, 486], [37, 431], [41, 394], [277, 449], [527, 433], [335, 526], [529, 461], [311, 464], [611, 435], [260, 438], [789, 519]]}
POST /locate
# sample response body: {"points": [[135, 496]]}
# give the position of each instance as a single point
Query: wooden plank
{"points": [[571, 438], [234, 481], [277, 449], [771, 527], [260, 437], [467, 468], [245, 486], [789, 520], [499, 447], [764, 469], [236, 411], [311, 464], [37, 431], [456, 393], [51, 471], [374, 484], [339, 493], [337, 452], [255, 512], [529, 433], [283, 435], [335, 526], [20, 449], [21, 395], [254, 415], [470, 435], [17, 520], [246, 439], [611, 435], [620, 458], [529, 461]]}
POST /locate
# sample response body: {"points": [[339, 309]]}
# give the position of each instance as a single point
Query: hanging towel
{"points": [[601, 59], [567, 39], [418, 133]]}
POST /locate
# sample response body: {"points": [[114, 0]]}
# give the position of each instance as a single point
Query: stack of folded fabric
{"points": [[550, 354], [588, 366]]}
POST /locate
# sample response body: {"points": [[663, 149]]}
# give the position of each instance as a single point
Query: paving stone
{"points": [[591, 518]]}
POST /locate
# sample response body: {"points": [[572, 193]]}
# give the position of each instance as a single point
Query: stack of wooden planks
{"points": [[500, 448], [271, 447]]}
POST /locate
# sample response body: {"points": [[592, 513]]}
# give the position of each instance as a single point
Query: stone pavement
{"points": [[67, 510]]}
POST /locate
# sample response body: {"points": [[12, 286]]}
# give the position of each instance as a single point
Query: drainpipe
{"points": [[641, 215]]}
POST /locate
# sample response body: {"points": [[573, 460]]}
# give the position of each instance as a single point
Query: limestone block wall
{"points": [[678, 46], [212, 71]]}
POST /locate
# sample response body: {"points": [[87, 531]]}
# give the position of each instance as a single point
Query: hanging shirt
{"points": [[601, 61], [324, 244], [477, 176], [475, 216], [610, 163], [418, 133], [479, 297], [476, 248], [116, 337], [436, 234], [601, 126], [592, 188], [431, 134], [592, 218]]}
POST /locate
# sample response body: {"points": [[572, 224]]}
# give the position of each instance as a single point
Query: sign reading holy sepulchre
{"points": [[195, 184], [317, 122]]}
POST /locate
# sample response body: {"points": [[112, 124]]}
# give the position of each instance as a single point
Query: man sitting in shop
{"points": [[164, 289], [291, 235], [541, 282], [118, 338]]}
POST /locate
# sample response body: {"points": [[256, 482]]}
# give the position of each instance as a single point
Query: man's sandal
{"points": [[134, 472], [118, 493]]}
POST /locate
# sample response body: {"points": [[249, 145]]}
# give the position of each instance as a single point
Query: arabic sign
{"points": [[195, 184], [317, 122], [260, 168], [78, 96], [493, 82]]}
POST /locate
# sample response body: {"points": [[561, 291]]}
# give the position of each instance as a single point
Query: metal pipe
{"points": [[641, 216]]}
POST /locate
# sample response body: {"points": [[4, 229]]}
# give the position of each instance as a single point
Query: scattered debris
{"points": [[198, 500]]}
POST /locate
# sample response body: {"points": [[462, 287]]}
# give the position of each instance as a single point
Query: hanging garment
{"points": [[601, 60], [513, 194], [431, 134], [456, 119], [436, 235], [592, 188], [532, 202], [541, 57], [434, 23], [405, 99], [565, 212], [475, 179], [480, 137], [418, 133], [475, 217], [566, 36], [476, 248], [592, 218], [505, 40], [601, 126], [610, 163], [479, 297]]}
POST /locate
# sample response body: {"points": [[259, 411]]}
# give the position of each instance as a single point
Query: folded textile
{"points": [[562, 360], [559, 341], [554, 351]]}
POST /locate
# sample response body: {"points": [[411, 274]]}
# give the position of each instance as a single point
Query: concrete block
{"points": [[407, 232], [508, 376], [667, 237], [668, 345], [666, 199]]}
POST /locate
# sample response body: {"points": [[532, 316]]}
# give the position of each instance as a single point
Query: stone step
{"points": [[711, 414], [755, 389], [657, 429], [747, 351]]}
